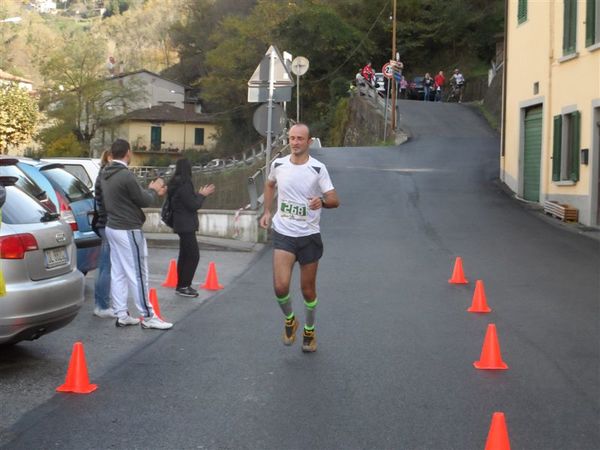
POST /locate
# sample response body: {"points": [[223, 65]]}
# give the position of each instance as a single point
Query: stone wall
{"points": [[366, 124]]}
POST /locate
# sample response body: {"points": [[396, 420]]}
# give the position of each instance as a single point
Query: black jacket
{"points": [[100, 210], [185, 202]]}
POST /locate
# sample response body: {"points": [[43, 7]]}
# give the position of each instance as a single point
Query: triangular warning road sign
{"points": [[282, 76]]}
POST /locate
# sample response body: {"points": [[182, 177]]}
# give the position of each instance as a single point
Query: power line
{"points": [[353, 51]]}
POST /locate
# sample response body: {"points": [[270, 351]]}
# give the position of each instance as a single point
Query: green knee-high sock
{"points": [[285, 303], [310, 307]]}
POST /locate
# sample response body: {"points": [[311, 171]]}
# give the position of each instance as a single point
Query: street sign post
{"points": [[271, 74], [299, 67]]}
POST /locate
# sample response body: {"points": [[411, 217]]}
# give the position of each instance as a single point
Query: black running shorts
{"points": [[307, 249]]}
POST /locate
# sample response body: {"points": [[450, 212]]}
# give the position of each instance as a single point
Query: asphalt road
{"points": [[394, 368]]}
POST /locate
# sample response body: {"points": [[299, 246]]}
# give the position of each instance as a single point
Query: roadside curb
{"points": [[171, 240]]}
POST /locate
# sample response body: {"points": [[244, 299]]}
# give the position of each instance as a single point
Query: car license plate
{"points": [[56, 257]]}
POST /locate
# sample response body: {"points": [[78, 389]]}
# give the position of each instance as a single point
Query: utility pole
{"points": [[393, 80]]}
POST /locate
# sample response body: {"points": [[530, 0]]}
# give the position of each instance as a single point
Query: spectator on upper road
{"points": [[368, 73], [427, 87], [186, 202], [439, 85], [458, 82], [403, 86], [124, 199]]}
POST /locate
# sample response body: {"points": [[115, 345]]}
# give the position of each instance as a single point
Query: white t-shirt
{"points": [[295, 185]]}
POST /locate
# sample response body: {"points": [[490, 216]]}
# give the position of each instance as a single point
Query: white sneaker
{"points": [[126, 321], [156, 323], [104, 313]]}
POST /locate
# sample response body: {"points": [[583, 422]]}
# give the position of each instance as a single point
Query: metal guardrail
{"points": [[256, 182]]}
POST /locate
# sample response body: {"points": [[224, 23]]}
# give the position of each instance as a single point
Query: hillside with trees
{"points": [[215, 45]]}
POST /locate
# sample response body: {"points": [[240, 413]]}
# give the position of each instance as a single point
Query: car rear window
{"points": [[79, 172], [74, 188], [24, 182], [20, 207]]}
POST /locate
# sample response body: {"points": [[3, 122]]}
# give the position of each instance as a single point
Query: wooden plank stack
{"points": [[562, 211]]}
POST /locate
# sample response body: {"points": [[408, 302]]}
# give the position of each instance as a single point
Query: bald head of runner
{"points": [[299, 138]]}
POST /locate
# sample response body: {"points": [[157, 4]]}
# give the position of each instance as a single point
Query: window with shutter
{"points": [[522, 11], [592, 22], [569, 27], [565, 147]]}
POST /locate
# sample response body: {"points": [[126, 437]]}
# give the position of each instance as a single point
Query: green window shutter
{"points": [[522, 11], [575, 142], [199, 136], [556, 148], [590, 22], [569, 26]]}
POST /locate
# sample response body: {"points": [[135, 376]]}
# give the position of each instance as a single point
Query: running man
{"points": [[304, 187]]}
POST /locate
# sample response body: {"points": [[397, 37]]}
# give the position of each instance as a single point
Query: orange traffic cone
{"points": [[458, 277], [490, 353], [77, 379], [154, 303], [171, 280], [212, 282], [479, 304], [498, 435]]}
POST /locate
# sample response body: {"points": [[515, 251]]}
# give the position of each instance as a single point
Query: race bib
{"points": [[291, 210]]}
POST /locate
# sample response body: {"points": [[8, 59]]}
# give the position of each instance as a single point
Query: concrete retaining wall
{"points": [[240, 225]]}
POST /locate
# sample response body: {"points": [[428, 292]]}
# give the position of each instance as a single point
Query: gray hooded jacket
{"points": [[123, 198]]}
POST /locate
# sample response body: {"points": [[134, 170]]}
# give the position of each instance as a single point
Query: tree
{"points": [[18, 117], [78, 93]]}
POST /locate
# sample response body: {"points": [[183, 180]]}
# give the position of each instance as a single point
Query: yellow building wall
{"points": [[173, 136], [527, 64], [535, 54], [575, 82]]}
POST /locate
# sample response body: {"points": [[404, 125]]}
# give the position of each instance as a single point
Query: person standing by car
{"points": [[124, 199], [102, 307], [439, 85], [185, 203], [303, 189], [427, 87]]}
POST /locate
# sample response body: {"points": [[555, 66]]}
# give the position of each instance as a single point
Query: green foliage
{"points": [[159, 161], [78, 95], [66, 146], [341, 116], [198, 157], [18, 117]]}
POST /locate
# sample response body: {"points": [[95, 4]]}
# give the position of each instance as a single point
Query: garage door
{"points": [[532, 154]]}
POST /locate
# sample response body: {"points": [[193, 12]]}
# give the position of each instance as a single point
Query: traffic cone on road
{"points": [[490, 353], [77, 380], [171, 280], [458, 276], [212, 282], [498, 435], [479, 303], [154, 303]]}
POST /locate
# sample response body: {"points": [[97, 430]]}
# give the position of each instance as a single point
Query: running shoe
{"points": [[186, 292], [289, 332], [128, 320], [156, 323], [309, 341], [104, 313]]}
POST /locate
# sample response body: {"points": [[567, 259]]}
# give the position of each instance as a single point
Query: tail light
{"points": [[14, 246], [66, 213]]}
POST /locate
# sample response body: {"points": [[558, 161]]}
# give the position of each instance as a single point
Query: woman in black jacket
{"points": [[186, 202]]}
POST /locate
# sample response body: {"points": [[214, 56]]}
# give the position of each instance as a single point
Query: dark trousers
{"points": [[187, 262]]}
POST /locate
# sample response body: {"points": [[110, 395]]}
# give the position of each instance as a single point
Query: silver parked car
{"points": [[44, 289]]}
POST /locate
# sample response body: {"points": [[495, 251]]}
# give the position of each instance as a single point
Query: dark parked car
{"points": [[44, 289], [416, 90]]}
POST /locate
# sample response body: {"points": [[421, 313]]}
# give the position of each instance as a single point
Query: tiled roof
{"points": [[10, 77], [167, 113]]}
